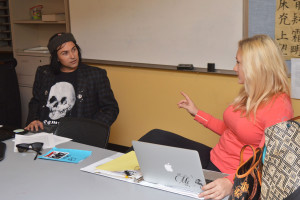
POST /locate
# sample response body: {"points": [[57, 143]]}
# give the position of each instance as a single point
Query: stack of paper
{"points": [[48, 139], [125, 162], [125, 166]]}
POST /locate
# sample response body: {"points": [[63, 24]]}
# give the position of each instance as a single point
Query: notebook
{"points": [[173, 167]]}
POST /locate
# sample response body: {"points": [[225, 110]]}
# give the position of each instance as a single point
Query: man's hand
{"points": [[217, 189], [35, 126]]}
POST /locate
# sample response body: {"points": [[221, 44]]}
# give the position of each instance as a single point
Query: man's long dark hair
{"points": [[54, 62]]}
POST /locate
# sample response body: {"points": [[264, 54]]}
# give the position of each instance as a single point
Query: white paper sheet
{"points": [[48, 139], [295, 77], [91, 169]]}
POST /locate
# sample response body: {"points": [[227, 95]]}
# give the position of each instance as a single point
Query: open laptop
{"points": [[173, 167]]}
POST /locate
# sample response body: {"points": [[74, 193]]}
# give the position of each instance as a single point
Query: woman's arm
{"points": [[207, 120], [216, 125]]}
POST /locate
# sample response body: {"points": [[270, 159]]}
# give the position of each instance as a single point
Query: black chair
{"points": [[85, 131]]}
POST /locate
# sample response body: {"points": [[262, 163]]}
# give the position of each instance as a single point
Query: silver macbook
{"points": [[173, 167]]}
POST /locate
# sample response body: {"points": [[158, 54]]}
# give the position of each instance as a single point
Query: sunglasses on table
{"points": [[36, 146]]}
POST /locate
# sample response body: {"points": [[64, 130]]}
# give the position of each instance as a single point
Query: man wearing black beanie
{"points": [[69, 88]]}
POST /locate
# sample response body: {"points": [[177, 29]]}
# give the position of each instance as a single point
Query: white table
{"points": [[21, 177]]}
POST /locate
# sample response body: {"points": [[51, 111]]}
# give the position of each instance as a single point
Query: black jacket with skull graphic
{"points": [[94, 96]]}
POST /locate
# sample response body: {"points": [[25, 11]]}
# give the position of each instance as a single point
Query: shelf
{"points": [[5, 39], [6, 49], [27, 32], [20, 52], [37, 22]]}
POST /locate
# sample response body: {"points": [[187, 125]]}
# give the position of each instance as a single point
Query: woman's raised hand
{"points": [[188, 104]]}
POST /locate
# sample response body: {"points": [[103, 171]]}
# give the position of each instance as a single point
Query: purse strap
{"points": [[295, 118], [255, 163], [242, 154]]}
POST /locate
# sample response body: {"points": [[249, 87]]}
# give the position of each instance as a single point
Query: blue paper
{"points": [[66, 155]]}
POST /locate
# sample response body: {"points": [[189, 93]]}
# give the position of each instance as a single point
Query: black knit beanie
{"points": [[60, 38]]}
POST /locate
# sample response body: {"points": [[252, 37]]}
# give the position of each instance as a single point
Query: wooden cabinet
{"points": [[29, 33], [27, 67]]}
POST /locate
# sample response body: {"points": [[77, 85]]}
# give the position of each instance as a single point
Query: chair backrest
{"points": [[85, 131]]}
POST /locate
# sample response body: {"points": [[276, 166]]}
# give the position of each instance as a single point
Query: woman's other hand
{"points": [[188, 104], [217, 189]]}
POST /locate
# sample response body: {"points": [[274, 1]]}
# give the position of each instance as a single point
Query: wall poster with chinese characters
{"points": [[287, 27]]}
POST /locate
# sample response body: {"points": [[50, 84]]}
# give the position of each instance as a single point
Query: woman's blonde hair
{"points": [[265, 73]]}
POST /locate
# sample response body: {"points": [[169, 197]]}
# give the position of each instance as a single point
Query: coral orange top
{"points": [[236, 131]]}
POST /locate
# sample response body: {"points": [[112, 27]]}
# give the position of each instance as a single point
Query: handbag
{"points": [[281, 172], [247, 180]]}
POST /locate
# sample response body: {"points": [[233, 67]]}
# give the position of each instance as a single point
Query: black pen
{"points": [[127, 173]]}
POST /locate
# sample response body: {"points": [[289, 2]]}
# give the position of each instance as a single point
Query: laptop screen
{"points": [[170, 166]]}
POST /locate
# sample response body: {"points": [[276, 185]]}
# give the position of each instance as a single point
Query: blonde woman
{"points": [[263, 101]]}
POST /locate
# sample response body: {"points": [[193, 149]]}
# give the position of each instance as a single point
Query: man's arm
{"points": [[109, 108]]}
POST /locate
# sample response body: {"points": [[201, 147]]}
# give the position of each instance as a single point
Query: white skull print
{"points": [[61, 100]]}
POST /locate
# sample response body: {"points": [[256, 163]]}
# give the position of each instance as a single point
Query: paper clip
{"points": [[138, 179]]}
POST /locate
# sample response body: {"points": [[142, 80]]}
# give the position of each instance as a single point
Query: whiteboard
{"points": [[162, 32]]}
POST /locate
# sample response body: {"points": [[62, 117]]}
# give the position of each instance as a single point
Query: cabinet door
{"points": [[26, 68]]}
